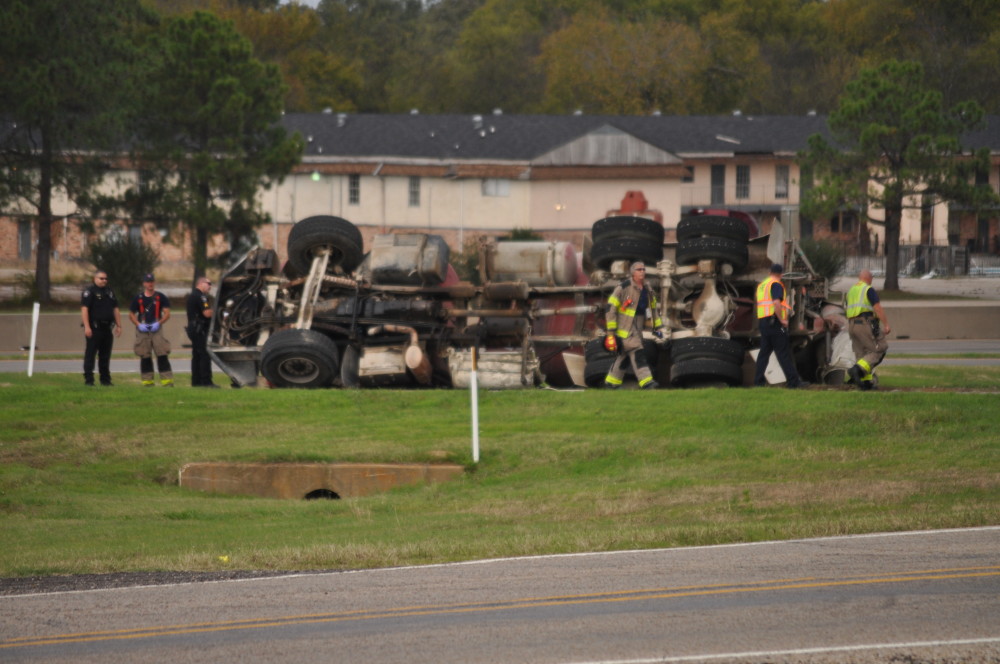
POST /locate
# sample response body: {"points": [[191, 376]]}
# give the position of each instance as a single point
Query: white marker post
{"points": [[34, 335], [474, 395]]}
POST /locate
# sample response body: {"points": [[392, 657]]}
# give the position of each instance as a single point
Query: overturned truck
{"points": [[398, 316]]}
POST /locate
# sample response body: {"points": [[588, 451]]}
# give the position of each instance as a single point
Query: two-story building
{"points": [[462, 176]]}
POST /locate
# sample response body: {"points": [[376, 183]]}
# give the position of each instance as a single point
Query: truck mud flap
{"points": [[241, 364]]}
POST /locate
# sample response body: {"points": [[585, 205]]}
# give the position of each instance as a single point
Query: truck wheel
{"points": [[608, 251], [596, 370], [350, 367], [712, 226], [639, 228], [705, 371], [595, 349], [299, 358], [716, 348], [340, 236], [692, 250]]}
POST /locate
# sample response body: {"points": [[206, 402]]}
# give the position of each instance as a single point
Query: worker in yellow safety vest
{"points": [[868, 328], [772, 320], [631, 303]]}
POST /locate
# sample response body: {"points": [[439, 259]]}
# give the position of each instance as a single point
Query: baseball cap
{"points": [[148, 277], [777, 268]]}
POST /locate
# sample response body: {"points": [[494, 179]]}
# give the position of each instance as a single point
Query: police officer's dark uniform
{"points": [[198, 305], [101, 322]]}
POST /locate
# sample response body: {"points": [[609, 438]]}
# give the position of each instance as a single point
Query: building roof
{"points": [[531, 138], [548, 139]]}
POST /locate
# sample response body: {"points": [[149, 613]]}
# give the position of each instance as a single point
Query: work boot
{"points": [[855, 374], [651, 385], [801, 385]]}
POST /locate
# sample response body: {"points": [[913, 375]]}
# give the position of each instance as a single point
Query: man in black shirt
{"points": [[199, 312], [101, 323]]}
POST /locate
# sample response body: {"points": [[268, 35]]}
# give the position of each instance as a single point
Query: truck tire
{"points": [[349, 229], [703, 371], [596, 370], [299, 358], [639, 228], [339, 235], [715, 348], [713, 226], [608, 251], [594, 349], [692, 250]]}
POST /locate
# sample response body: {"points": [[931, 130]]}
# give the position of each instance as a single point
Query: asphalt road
{"points": [[932, 596], [74, 364]]}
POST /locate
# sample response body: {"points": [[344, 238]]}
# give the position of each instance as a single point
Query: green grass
{"points": [[88, 476]]}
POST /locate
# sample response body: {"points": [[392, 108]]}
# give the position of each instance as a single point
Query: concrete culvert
{"points": [[322, 494]]}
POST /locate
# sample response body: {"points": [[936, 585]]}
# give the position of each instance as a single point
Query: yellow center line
{"points": [[447, 609]]}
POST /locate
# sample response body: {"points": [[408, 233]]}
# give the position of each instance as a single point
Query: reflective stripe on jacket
{"points": [[857, 300], [622, 317], [766, 307]]}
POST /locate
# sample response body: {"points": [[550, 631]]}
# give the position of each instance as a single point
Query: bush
{"points": [[827, 257], [521, 235], [25, 288], [125, 262]]}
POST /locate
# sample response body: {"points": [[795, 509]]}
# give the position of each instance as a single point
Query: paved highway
{"points": [[919, 596], [74, 364]]}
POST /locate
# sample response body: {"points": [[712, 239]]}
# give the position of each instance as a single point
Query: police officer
{"points": [[101, 323], [199, 312], [149, 310], [868, 327], [631, 303], [772, 320]]}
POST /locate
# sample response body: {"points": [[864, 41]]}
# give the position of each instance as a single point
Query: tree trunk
{"points": [[200, 253], [893, 222], [43, 252]]}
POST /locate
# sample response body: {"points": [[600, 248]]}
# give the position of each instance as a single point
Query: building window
{"points": [[842, 222], [144, 181], [135, 234], [414, 191], [496, 187], [718, 184], [781, 181], [353, 189], [742, 182], [24, 240], [688, 176]]}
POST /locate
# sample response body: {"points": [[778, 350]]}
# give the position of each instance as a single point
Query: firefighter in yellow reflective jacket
{"points": [[868, 327], [629, 306], [772, 321]]}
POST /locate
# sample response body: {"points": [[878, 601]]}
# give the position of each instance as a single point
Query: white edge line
{"points": [[490, 561], [801, 651]]}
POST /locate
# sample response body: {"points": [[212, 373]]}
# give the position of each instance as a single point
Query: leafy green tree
{"points": [[65, 73], [372, 37], [210, 141], [895, 146], [125, 261], [287, 37], [604, 65]]}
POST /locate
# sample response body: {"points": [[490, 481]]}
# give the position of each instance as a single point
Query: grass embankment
{"points": [[88, 476]]}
